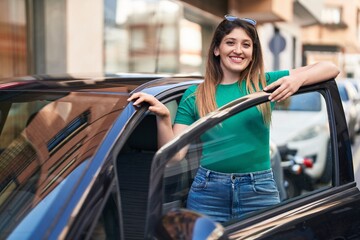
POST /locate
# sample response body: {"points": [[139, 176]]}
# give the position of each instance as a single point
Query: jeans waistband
{"points": [[232, 176]]}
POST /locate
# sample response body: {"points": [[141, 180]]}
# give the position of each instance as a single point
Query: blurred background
{"points": [[166, 36]]}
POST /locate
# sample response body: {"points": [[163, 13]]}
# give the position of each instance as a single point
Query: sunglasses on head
{"points": [[233, 18]]}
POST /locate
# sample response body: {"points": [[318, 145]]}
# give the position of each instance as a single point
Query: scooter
{"points": [[296, 180]]}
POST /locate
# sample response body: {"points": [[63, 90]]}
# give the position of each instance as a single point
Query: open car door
{"points": [[171, 178]]}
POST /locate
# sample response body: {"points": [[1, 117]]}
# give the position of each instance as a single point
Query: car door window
{"points": [[300, 129], [222, 147], [47, 142], [298, 124]]}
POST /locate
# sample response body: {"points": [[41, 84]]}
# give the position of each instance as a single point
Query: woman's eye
{"points": [[230, 43]]}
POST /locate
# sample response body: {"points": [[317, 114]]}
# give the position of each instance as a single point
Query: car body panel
{"points": [[314, 219]]}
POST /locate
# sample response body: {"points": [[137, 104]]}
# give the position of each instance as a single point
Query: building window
{"points": [[331, 15]]}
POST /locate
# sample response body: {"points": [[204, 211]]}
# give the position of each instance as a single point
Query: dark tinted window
{"points": [[47, 138]]}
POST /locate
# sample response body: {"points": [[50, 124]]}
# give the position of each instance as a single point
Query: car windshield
{"points": [[304, 102], [47, 138]]}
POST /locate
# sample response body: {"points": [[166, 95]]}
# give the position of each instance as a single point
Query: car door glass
{"points": [[298, 124], [47, 141], [300, 129], [229, 147]]}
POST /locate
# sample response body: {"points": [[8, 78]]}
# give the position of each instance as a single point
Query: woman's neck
{"points": [[229, 79]]}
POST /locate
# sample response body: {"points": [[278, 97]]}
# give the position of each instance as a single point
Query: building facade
{"points": [[112, 36], [337, 37]]}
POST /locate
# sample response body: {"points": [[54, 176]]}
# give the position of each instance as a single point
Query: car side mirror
{"points": [[185, 224]]}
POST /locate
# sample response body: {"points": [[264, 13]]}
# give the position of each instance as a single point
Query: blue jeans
{"points": [[225, 196]]}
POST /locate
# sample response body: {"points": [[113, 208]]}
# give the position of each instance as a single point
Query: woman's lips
{"points": [[236, 59]]}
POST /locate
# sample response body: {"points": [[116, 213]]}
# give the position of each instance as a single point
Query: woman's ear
{"points": [[216, 52]]}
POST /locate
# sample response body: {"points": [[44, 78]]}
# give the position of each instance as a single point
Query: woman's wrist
{"points": [[164, 118]]}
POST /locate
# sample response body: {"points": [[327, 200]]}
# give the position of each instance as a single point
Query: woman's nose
{"points": [[237, 49]]}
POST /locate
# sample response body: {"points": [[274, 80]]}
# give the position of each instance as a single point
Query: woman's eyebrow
{"points": [[236, 39], [229, 38]]}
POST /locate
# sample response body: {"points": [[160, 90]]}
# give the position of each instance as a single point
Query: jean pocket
{"points": [[198, 184], [265, 186]]}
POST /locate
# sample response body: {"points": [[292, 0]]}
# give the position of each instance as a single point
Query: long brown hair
{"points": [[253, 75]]}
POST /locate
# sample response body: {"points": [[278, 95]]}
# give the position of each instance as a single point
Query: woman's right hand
{"points": [[155, 105]]}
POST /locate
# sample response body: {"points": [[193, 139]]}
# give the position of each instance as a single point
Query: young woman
{"points": [[234, 68]]}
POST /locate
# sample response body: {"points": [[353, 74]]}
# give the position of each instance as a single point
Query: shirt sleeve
{"points": [[275, 75], [187, 111]]}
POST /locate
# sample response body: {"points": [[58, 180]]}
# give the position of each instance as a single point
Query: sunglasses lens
{"points": [[233, 18], [230, 18], [249, 20]]}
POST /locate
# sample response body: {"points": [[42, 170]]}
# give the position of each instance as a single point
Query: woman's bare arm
{"points": [[301, 76]]}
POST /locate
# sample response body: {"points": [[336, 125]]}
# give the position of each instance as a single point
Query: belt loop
{"points": [[208, 174], [252, 177]]}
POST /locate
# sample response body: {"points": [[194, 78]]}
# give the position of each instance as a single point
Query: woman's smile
{"points": [[236, 59]]}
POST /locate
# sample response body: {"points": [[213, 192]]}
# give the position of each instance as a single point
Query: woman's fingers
{"points": [[285, 87], [272, 86], [139, 98], [133, 96], [155, 105], [277, 89]]}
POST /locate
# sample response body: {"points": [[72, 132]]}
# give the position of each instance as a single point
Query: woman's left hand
{"points": [[306, 75], [284, 88]]}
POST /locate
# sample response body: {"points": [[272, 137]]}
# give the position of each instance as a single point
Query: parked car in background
{"points": [[300, 125], [79, 162], [350, 100], [356, 83]]}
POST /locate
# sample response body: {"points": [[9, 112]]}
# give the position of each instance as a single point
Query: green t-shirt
{"points": [[239, 144]]}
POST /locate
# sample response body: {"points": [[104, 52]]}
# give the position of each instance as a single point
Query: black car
{"points": [[79, 162]]}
